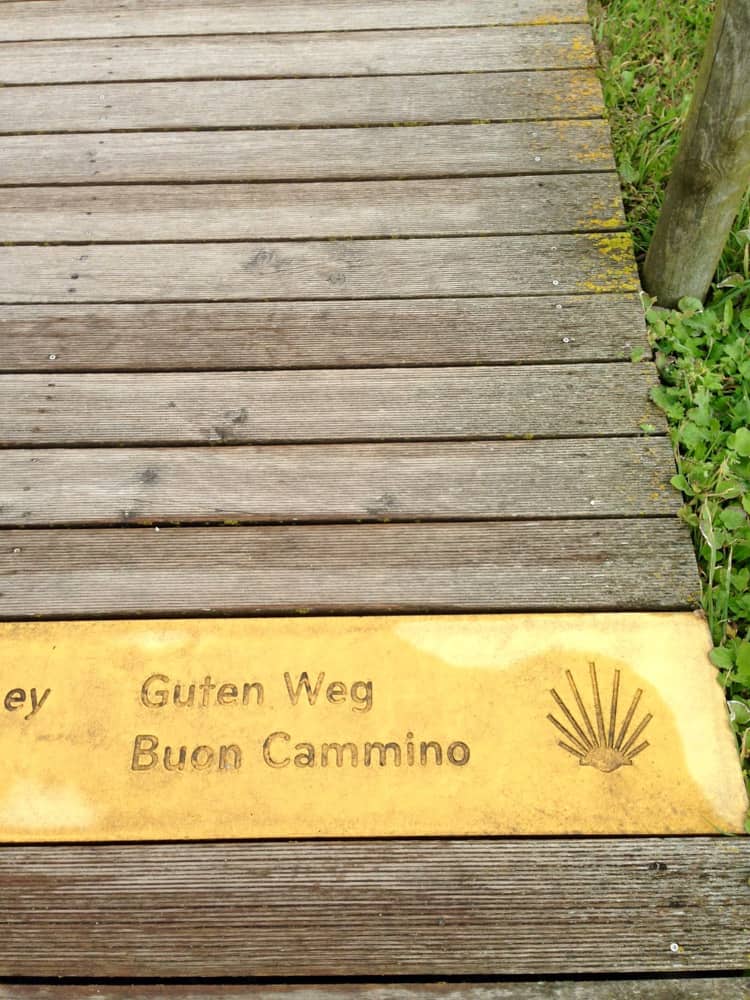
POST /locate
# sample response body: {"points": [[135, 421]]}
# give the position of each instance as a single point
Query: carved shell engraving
{"points": [[602, 743]]}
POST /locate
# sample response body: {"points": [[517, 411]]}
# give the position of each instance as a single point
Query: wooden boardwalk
{"points": [[328, 307], [371, 284]]}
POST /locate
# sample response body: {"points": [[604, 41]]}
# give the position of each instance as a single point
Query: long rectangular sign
{"points": [[359, 727]]}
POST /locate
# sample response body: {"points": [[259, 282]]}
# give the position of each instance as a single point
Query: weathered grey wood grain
{"points": [[380, 908], [352, 334], [323, 405], [452, 206], [711, 172], [717, 988], [359, 53], [643, 564], [392, 482], [307, 154], [90, 18], [329, 269], [383, 100]]}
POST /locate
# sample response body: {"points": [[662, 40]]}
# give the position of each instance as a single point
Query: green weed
{"points": [[649, 55], [703, 356]]}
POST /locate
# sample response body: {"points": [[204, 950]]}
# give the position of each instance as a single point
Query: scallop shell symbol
{"points": [[605, 747]]}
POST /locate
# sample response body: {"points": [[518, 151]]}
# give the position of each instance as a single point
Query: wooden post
{"points": [[712, 167]]}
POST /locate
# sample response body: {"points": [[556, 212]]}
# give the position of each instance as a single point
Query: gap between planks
{"points": [[717, 987]]}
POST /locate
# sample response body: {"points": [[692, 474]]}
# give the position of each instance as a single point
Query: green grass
{"points": [[649, 54]]}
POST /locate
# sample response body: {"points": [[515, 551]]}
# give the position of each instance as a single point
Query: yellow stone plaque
{"points": [[359, 727]]}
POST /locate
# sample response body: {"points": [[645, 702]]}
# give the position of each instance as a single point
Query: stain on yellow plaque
{"points": [[395, 726]]}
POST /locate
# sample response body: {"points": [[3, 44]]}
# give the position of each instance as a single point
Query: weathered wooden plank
{"points": [[329, 269], [379, 908], [390, 332], [323, 405], [467, 206], [90, 18], [307, 154], [392, 482], [718, 988], [644, 564], [382, 100], [462, 50]]}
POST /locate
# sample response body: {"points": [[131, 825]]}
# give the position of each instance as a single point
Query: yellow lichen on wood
{"points": [[603, 214], [544, 19], [585, 154], [581, 92], [617, 247], [601, 222], [613, 266], [580, 52], [571, 132]]}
